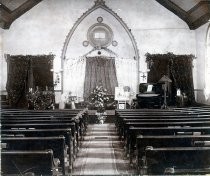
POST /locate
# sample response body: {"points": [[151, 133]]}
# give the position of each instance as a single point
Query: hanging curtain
{"points": [[100, 71], [42, 74], [26, 72], [74, 76], [17, 80], [158, 66], [127, 73], [178, 68], [181, 69]]}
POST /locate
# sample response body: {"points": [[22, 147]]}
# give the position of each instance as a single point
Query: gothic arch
{"points": [[99, 4]]}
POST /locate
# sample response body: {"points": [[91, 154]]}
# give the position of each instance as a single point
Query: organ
{"points": [[150, 95]]}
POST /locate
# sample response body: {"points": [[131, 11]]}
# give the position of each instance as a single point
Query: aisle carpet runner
{"points": [[101, 153]]}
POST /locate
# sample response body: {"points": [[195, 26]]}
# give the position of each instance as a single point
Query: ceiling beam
{"points": [[195, 17], [200, 21], [175, 9], [7, 17]]}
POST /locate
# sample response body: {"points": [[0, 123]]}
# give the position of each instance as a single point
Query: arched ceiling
{"points": [[194, 12]]}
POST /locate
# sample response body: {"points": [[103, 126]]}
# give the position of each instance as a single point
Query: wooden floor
{"points": [[101, 153]]}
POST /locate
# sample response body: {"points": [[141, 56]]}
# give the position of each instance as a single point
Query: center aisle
{"points": [[101, 153]]}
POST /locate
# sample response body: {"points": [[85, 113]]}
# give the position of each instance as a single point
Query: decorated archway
{"points": [[100, 36]]}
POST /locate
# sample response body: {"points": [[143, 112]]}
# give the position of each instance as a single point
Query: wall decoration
{"points": [[100, 35], [114, 43], [143, 77], [100, 19], [85, 43]]}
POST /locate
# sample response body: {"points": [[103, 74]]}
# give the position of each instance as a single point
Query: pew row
{"points": [[45, 133], [36, 162], [176, 161], [56, 144]]}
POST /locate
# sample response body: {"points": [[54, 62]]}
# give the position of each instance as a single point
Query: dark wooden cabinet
{"points": [[150, 95]]}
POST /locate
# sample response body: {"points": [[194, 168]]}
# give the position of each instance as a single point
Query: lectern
{"points": [[165, 80]]}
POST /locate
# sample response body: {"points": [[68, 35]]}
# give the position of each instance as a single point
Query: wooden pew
{"points": [[79, 123], [57, 144], [148, 115], [166, 141], [79, 127], [45, 121], [45, 133], [44, 111], [160, 119], [177, 160], [158, 122], [146, 131], [77, 112], [80, 118], [41, 120], [165, 119], [122, 119], [25, 162], [47, 126], [164, 124], [157, 115]]}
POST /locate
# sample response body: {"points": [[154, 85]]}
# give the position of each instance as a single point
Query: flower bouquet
{"points": [[40, 100], [98, 99]]}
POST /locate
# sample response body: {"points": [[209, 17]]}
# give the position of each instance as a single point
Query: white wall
{"points": [[3, 65], [201, 34], [43, 29]]}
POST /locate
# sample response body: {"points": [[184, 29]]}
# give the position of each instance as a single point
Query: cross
{"points": [[143, 76]]}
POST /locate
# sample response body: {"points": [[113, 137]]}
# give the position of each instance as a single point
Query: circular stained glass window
{"points": [[100, 35]]}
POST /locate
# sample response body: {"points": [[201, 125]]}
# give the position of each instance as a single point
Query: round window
{"points": [[100, 35]]}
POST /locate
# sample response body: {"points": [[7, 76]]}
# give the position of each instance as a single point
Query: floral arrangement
{"points": [[40, 100], [99, 98]]}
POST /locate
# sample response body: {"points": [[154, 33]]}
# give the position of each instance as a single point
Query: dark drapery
{"points": [[100, 71], [181, 71], [158, 67], [18, 68], [178, 68], [26, 72]]}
